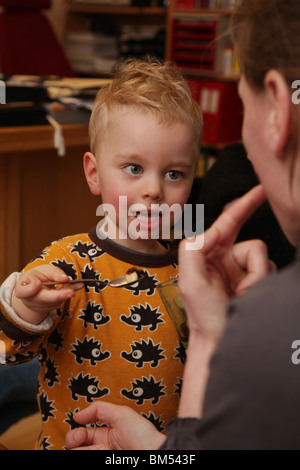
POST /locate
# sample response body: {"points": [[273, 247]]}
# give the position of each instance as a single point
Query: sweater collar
{"points": [[135, 257]]}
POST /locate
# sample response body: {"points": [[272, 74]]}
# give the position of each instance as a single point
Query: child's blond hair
{"points": [[149, 84]]}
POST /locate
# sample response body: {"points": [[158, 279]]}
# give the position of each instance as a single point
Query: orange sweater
{"points": [[117, 345]]}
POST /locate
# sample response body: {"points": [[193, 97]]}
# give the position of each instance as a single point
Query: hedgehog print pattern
{"points": [[93, 314], [147, 284], [117, 345], [46, 407], [51, 374], [145, 389], [87, 387], [143, 316], [89, 349], [142, 352], [87, 250]]}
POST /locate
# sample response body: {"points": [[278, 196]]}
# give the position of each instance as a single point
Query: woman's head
{"points": [[150, 86], [267, 34], [268, 45]]}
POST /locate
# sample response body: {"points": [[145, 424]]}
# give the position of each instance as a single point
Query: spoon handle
{"points": [[73, 281]]}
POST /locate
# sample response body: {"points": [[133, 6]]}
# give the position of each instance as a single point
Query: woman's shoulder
{"points": [[277, 290], [268, 313]]}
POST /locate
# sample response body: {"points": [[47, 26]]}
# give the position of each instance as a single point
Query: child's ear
{"points": [[91, 174]]}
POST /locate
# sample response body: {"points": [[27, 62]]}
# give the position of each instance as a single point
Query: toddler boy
{"points": [[96, 341]]}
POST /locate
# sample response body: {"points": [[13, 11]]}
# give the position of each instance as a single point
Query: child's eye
{"points": [[174, 175], [133, 169]]}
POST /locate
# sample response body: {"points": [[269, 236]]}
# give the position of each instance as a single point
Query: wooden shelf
{"points": [[100, 9], [208, 75], [217, 146], [201, 11], [30, 138]]}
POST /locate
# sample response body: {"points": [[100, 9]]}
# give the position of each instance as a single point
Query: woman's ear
{"points": [[91, 173], [279, 113]]}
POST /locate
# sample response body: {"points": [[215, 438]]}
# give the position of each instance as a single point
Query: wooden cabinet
{"points": [[43, 197]]}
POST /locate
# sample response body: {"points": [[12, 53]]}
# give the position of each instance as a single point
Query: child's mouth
{"points": [[146, 216], [148, 219]]}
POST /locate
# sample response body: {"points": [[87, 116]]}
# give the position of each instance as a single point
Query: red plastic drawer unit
{"points": [[198, 44], [185, 4], [222, 110], [193, 45]]}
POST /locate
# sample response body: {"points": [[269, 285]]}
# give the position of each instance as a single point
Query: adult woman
{"points": [[251, 398]]}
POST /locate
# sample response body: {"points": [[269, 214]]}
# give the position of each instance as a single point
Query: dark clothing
{"points": [[231, 177], [252, 398], [17, 392]]}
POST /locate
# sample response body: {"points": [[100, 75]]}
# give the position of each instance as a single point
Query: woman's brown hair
{"points": [[268, 37]]}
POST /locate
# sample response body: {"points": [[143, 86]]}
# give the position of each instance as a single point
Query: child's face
{"points": [[148, 162]]}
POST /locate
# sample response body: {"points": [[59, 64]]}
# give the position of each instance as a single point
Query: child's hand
{"points": [[32, 301]]}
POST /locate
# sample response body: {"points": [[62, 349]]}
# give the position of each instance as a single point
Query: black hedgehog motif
{"points": [[90, 350], [42, 356], [45, 444], [86, 386], [71, 421], [19, 358], [51, 373], [143, 316], [181, 353], [148, 283], [22, 345], [73, 424], [178, 386], [145, 389], [68, 268], [144, 352], [46, 407], [41, 256], [57, 339], [85, 250], [89, 273], [93, 314], [158, 423]]}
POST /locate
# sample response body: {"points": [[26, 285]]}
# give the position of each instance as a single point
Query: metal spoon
{"points": [[118, 282]]}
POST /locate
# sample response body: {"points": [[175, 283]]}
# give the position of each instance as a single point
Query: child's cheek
{"points": [[118, 199]]}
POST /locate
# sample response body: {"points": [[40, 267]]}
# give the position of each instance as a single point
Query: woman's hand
{"points": [[126, 429], [210, 276]]}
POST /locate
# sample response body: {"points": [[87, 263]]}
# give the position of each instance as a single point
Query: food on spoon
{"points": [[133, 274]]}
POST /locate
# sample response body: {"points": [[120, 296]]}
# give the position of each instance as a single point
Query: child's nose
{"points": [[152, 188]]}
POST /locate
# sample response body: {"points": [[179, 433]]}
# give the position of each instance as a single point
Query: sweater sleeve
{"points": [[10, 321], [20, 340], [252, 394], [182, 434]]}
